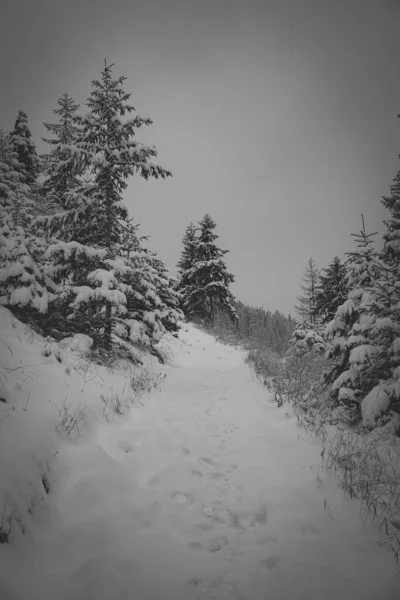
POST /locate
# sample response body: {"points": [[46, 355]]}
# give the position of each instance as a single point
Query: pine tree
{"points": [[307, 307], [13, 192], [171, 314], [61, 176], [185, 264], [351, 349], [26, 150], [188, 254], [95, 220], [205, 286], [391, 236], [331, 291], [305, 341], [23, 282], [381, 378]]}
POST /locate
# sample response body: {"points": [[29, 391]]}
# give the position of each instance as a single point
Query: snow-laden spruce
{"points": [[61, 174], [25, 148], [348, 333], [204, 278], [331, 291], [23, 282], [105, 282], [307, 302]]}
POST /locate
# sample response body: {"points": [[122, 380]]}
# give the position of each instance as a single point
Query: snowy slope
{"points": [[204, 492]]}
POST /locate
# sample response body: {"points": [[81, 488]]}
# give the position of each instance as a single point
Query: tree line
{"points": [[204, 284], [71, 258], [350, 311]]}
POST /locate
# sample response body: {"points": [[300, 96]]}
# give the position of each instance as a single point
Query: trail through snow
{"points": [[205, 492]]}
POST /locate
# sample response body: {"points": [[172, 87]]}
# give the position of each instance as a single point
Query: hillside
{"points": [[200, 490]]}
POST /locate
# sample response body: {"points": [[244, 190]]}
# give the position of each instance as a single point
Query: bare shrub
{"points": [[113, 405], [70, 419], [117, 403], [145, 380]]}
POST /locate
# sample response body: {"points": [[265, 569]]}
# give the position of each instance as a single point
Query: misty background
{"points": [[278, 117]]}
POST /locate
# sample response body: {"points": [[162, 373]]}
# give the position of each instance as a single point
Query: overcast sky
{"points": [[278, 117]]}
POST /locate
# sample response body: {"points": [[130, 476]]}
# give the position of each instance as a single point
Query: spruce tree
{"points": [[382, 377], [170, 312], [188, 254], [391, 236], [26, 150], [23, 282], [13, 191], [205, 287], [331, 290], [61, 175], [94, 220], [307, 307], [185, 264], [350, 347]]}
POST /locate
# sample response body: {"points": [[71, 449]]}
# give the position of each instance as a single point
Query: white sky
{"points": [[276, 116]]}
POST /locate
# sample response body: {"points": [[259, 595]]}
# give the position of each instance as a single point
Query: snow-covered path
{"points": [[205, 492]]}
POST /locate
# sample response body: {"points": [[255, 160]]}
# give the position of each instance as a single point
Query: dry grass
{"points": [[118, 403], [366, 462], [368, 465], [145, 380], [71, 419]]}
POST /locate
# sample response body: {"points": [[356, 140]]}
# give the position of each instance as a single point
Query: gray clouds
{"points": [[277, 117]]}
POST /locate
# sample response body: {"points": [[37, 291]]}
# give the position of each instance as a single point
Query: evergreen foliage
{"points": [[307, 306], [349, 332], [61, 175], [74, 255], [188, 254], [258, 328], [93, 255], [391, 236], [205, 283], [255, 329], [305, 340], [23, 282], [26, 150], [13, 191], [331, 291]]}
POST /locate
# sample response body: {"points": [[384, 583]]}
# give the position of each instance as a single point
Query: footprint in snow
{"points": [[218, 543], [269, 563], [126, 447], [261, 516], [182, 498], [209, 461], [309, 529], [195, 546], [197, 473]]}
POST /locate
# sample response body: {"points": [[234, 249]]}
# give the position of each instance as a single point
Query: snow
{"points": [[347, 308], [105, 278], [343, 378], [21, 296], [346, 394], [396, 346], [384, 323], [202, 491], [79, 343], [84, 294], [373, 405], [360, 354]]}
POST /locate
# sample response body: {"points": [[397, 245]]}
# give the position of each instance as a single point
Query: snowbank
{"points": [[373, 405], [205, 492]]}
